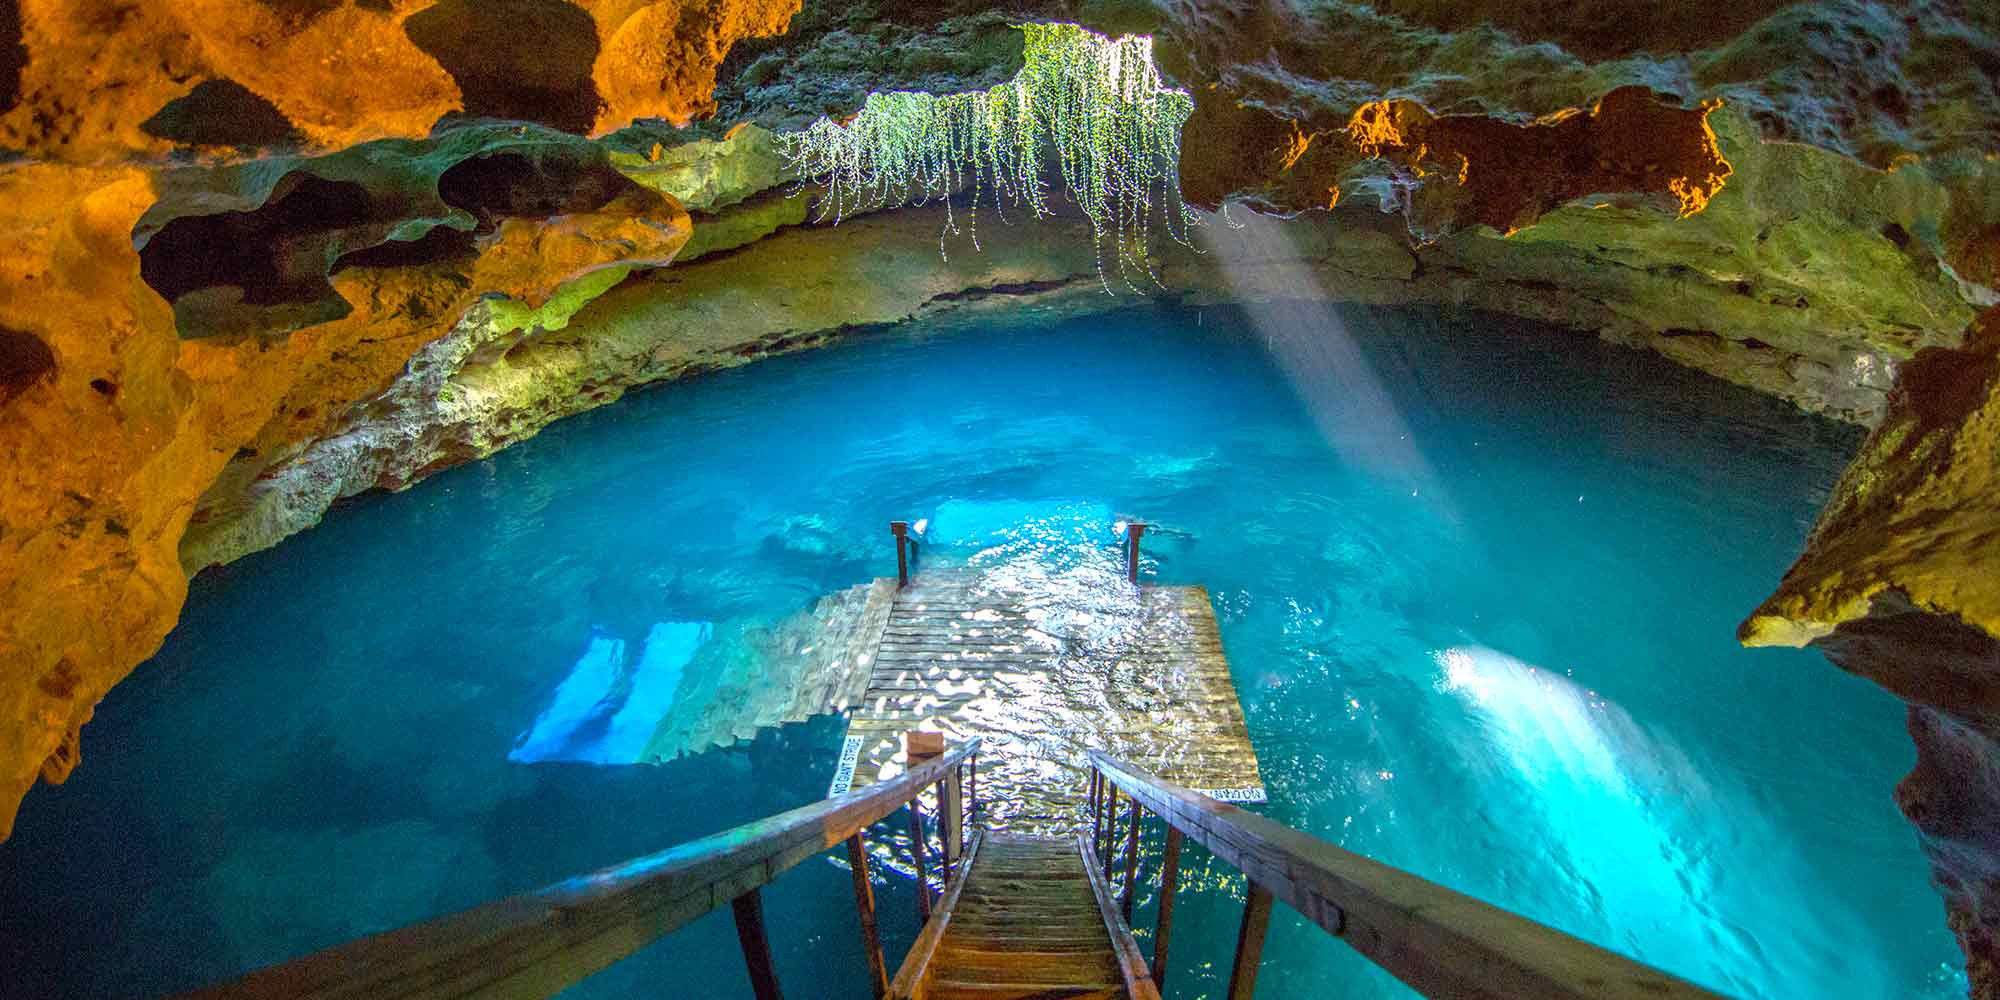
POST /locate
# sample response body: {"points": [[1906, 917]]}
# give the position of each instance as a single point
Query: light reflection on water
{"points": [[351, 697]]}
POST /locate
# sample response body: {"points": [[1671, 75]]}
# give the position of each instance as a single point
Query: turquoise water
{"points": [[1478, 581]]}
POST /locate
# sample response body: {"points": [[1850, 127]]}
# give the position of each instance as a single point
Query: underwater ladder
{"points": [[1008, 914]]}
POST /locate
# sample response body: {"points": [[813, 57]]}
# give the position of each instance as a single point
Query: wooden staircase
{"points": [[1026, 918]]}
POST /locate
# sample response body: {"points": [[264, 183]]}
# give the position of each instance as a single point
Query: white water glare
{"points": [[1622, 821]]}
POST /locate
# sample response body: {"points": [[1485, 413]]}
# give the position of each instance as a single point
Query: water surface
{"points": [[1478, 581]]}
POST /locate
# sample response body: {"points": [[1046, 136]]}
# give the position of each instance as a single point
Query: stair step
{"points": [[1023, 924], [949, 989], [1068, 966]]}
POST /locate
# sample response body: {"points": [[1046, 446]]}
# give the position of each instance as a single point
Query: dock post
{"points": [[1133, 529], [901, 529]]}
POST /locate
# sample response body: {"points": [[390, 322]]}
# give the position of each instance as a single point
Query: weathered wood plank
{"points": [[1131, 965], [1147, 678]]}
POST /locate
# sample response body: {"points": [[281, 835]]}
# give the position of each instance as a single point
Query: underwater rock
{"points": [[257, 887], [1898, 585]]}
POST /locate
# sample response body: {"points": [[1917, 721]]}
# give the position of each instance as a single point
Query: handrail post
{"points": [[920, 747], [1131, 863], [1111, 828], [1250, 943], [917, 856], [1096, 807], [749, 909], [864, 906], [1133, 529], [1170, 876], [951, 821], [901, 529]]}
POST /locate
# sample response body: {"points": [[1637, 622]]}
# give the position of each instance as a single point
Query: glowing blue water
{"points": [[1479, 596]]}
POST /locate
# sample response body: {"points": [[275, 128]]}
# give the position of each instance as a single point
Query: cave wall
{"points": [[256, 255]]}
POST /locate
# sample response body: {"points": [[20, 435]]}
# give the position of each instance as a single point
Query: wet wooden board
{"points": [[1139, 673]]}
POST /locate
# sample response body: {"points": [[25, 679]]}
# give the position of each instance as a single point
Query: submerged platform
{"points": [[1044, 669]]}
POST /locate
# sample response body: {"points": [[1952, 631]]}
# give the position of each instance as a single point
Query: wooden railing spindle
{"points": [[917, 855], [864, 907], [1250, 943], [1110, 829], [951, 819], [749, 909], [1096, 809], [1170, 875], [1131, 863]]}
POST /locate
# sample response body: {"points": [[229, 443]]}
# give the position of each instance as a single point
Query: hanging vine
{"points": [[1096, 104]]}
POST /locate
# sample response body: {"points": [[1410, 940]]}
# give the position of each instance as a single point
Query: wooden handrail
{"points": [[1442, 943], [539, 943]]}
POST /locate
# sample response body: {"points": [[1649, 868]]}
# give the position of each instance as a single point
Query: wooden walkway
{"points": [[1045, 670], [1029, 919]]}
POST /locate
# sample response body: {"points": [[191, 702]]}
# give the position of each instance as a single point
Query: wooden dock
{"points": [[1044, 670]]}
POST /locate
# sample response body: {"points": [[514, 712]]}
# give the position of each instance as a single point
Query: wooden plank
{"points": [[1440, 942], [910, 978], [1131, 965], [965, 658]]}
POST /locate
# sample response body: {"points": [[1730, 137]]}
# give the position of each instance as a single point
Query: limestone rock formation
{"points": [[117, 417], [1878, 82], [104, 78], [1898, 585]]}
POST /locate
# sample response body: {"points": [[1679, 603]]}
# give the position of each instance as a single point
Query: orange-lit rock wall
{"points": [[117, 414], [115, 78]]}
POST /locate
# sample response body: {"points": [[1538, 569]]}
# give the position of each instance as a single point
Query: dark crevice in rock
{"points": [[266, 252], [222, 113], [1003, 288], [439, 244], [24, 360], [1923, 657], [12, 56], [521, 185], [523, 60]]}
